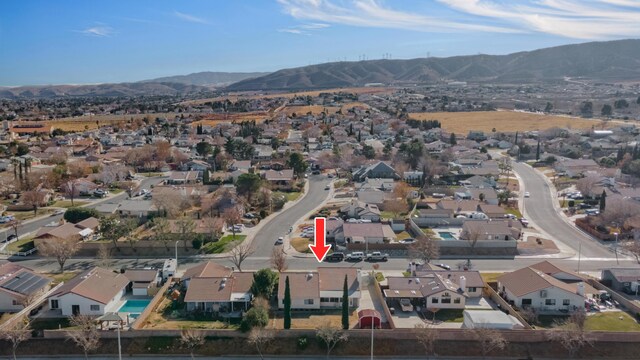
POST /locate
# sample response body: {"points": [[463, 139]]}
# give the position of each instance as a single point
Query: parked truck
{"points": [[377, 256]]}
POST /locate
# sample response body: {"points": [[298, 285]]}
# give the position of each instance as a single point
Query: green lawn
{"points": [[21, 245], [513, 211], [290, 196], [611, 321], [67, 203], [390, 215], [225, 244], [448, 315], [49, 324]]}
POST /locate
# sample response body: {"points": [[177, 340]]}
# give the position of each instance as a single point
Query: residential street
{"points": [[279, 225], [34, 225], [541, 210]]}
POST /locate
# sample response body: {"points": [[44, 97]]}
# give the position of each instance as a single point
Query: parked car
{"points": [[377, 256], [328, 187], [58, 212], [336, 256], [6, 219], [249, 215], [12, 237], [279, 241], [444, 266], [510, 216], [524, 222], [405, 305], [330, 176], [407, 241], [355, 256], [316, 172], [527, 194], [592, 212]]}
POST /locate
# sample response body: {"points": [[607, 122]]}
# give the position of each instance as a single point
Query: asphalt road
{"points": [[279, 226], [32, 226], [540, 209]]}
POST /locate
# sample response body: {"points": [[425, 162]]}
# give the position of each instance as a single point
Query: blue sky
{"points": [[74, 42]]}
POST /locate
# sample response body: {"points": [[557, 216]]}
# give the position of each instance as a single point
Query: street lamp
{"points": [[616, 248]]}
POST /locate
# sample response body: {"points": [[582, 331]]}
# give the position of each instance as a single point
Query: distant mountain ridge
{"points": [[209, 78], [115, 90], [601, 61]]}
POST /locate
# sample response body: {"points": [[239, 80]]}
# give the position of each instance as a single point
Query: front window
{"points": [[566, 302], [550, 302], [54, 304], [471, 289], [446, 300], [526, 302], [95, 307], [308, 301], [434, 300], [456, 301]]}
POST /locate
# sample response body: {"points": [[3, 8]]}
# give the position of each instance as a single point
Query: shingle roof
{"points": [[303, 285], [332, 279], [207, 269], [527, 280], [421, 286], [97, 284], [141, 275]]}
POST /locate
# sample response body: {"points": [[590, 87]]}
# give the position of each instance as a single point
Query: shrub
{"points": [[197, 243], [263, 214], [76, 214], [256, 316], [302, 342], [572, 203]]}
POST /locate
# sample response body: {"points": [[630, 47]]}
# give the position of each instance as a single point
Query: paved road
{"points": [[32, 226], [540, 209], [279, 225]]}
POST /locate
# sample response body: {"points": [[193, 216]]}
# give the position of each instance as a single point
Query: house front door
{"points": [[75, 309]]}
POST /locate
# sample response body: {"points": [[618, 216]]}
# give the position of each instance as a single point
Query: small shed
{"points": [[368, 318], [490, 319]]}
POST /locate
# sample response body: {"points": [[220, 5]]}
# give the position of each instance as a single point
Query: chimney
{"points": [[463, 283], [580, 290]]}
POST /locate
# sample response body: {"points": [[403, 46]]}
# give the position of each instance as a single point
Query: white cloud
{"points": [[293, 31], [372, 13], [580, 19], [304, 29], [98, 30], [190, 18]]}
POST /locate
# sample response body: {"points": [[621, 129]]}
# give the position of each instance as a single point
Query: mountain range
{"points": [[599, 61], [609, 61]]}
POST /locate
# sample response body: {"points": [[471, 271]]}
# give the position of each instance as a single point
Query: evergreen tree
{"points": [[359, 136], [516, 142], [603, 200], [345, 304], [371, 128], [287, 304], [452, 139], [538, 151]]}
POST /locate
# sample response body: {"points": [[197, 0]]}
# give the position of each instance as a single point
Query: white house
{"points": [[321, 289], [530, 287], [93, 292], [18, 285]]}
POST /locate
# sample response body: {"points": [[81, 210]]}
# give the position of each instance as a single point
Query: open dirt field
{"points": [[288, 95], [215, 119], [507, 121]]}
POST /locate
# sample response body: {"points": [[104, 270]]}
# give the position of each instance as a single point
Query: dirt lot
{"points": [[81, 123], [253, 95], [505, 121], [537, 246], [311, 320]]}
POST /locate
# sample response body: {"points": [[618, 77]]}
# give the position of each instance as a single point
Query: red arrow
{"points": [[320, 248]]}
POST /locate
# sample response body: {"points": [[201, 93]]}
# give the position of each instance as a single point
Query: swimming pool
{"points": [[445, 235], [134, 307]]}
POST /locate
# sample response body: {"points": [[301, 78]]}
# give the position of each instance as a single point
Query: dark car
{"points": [[336, 256], [316, 172], [11, 237]]}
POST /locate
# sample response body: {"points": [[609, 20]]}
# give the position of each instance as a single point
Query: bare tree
{"points": [[231, 217], [489, 339], [396, 206], [427, 337], [618, 211], [472, 235], [168, 201], [330, 336], [214, 227], [86, 335], [60, 249], [425, 249], [191, 340], [279, 259], [260, 337], [588, 185], [633, 247], [34, 199], [185, 226], [104, 256], [161, 230], [15, 226], [70, 189], [15, 335], [570, 336], [529, 314], [240, 253]]}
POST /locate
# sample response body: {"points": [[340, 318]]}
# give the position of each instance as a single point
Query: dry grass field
{"points": [[215, 119], [253, 95], [506, 121], [82, 123]]}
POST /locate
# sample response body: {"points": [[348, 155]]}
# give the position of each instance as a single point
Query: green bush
{"points": [[263, 214], [76, 214], [197, 243], [572, 203], [302, 342], [256, 316]]}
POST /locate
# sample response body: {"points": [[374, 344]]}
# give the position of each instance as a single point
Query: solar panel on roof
{"points": [[25, 283]]}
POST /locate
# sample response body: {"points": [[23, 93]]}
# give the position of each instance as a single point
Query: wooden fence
{"points": [[140, 321]]}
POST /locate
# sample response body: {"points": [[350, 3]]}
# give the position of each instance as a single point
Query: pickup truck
{"points": [[355, 256], [377, 256]]}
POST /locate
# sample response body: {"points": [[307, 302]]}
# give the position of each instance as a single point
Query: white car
{"points": [[526, 194]]}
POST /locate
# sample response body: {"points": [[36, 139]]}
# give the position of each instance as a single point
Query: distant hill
{"points": [[122, 89], [209, 78], [599, 61]]}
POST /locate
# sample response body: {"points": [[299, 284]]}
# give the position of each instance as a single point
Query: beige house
{"points": [[321, 289]]}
